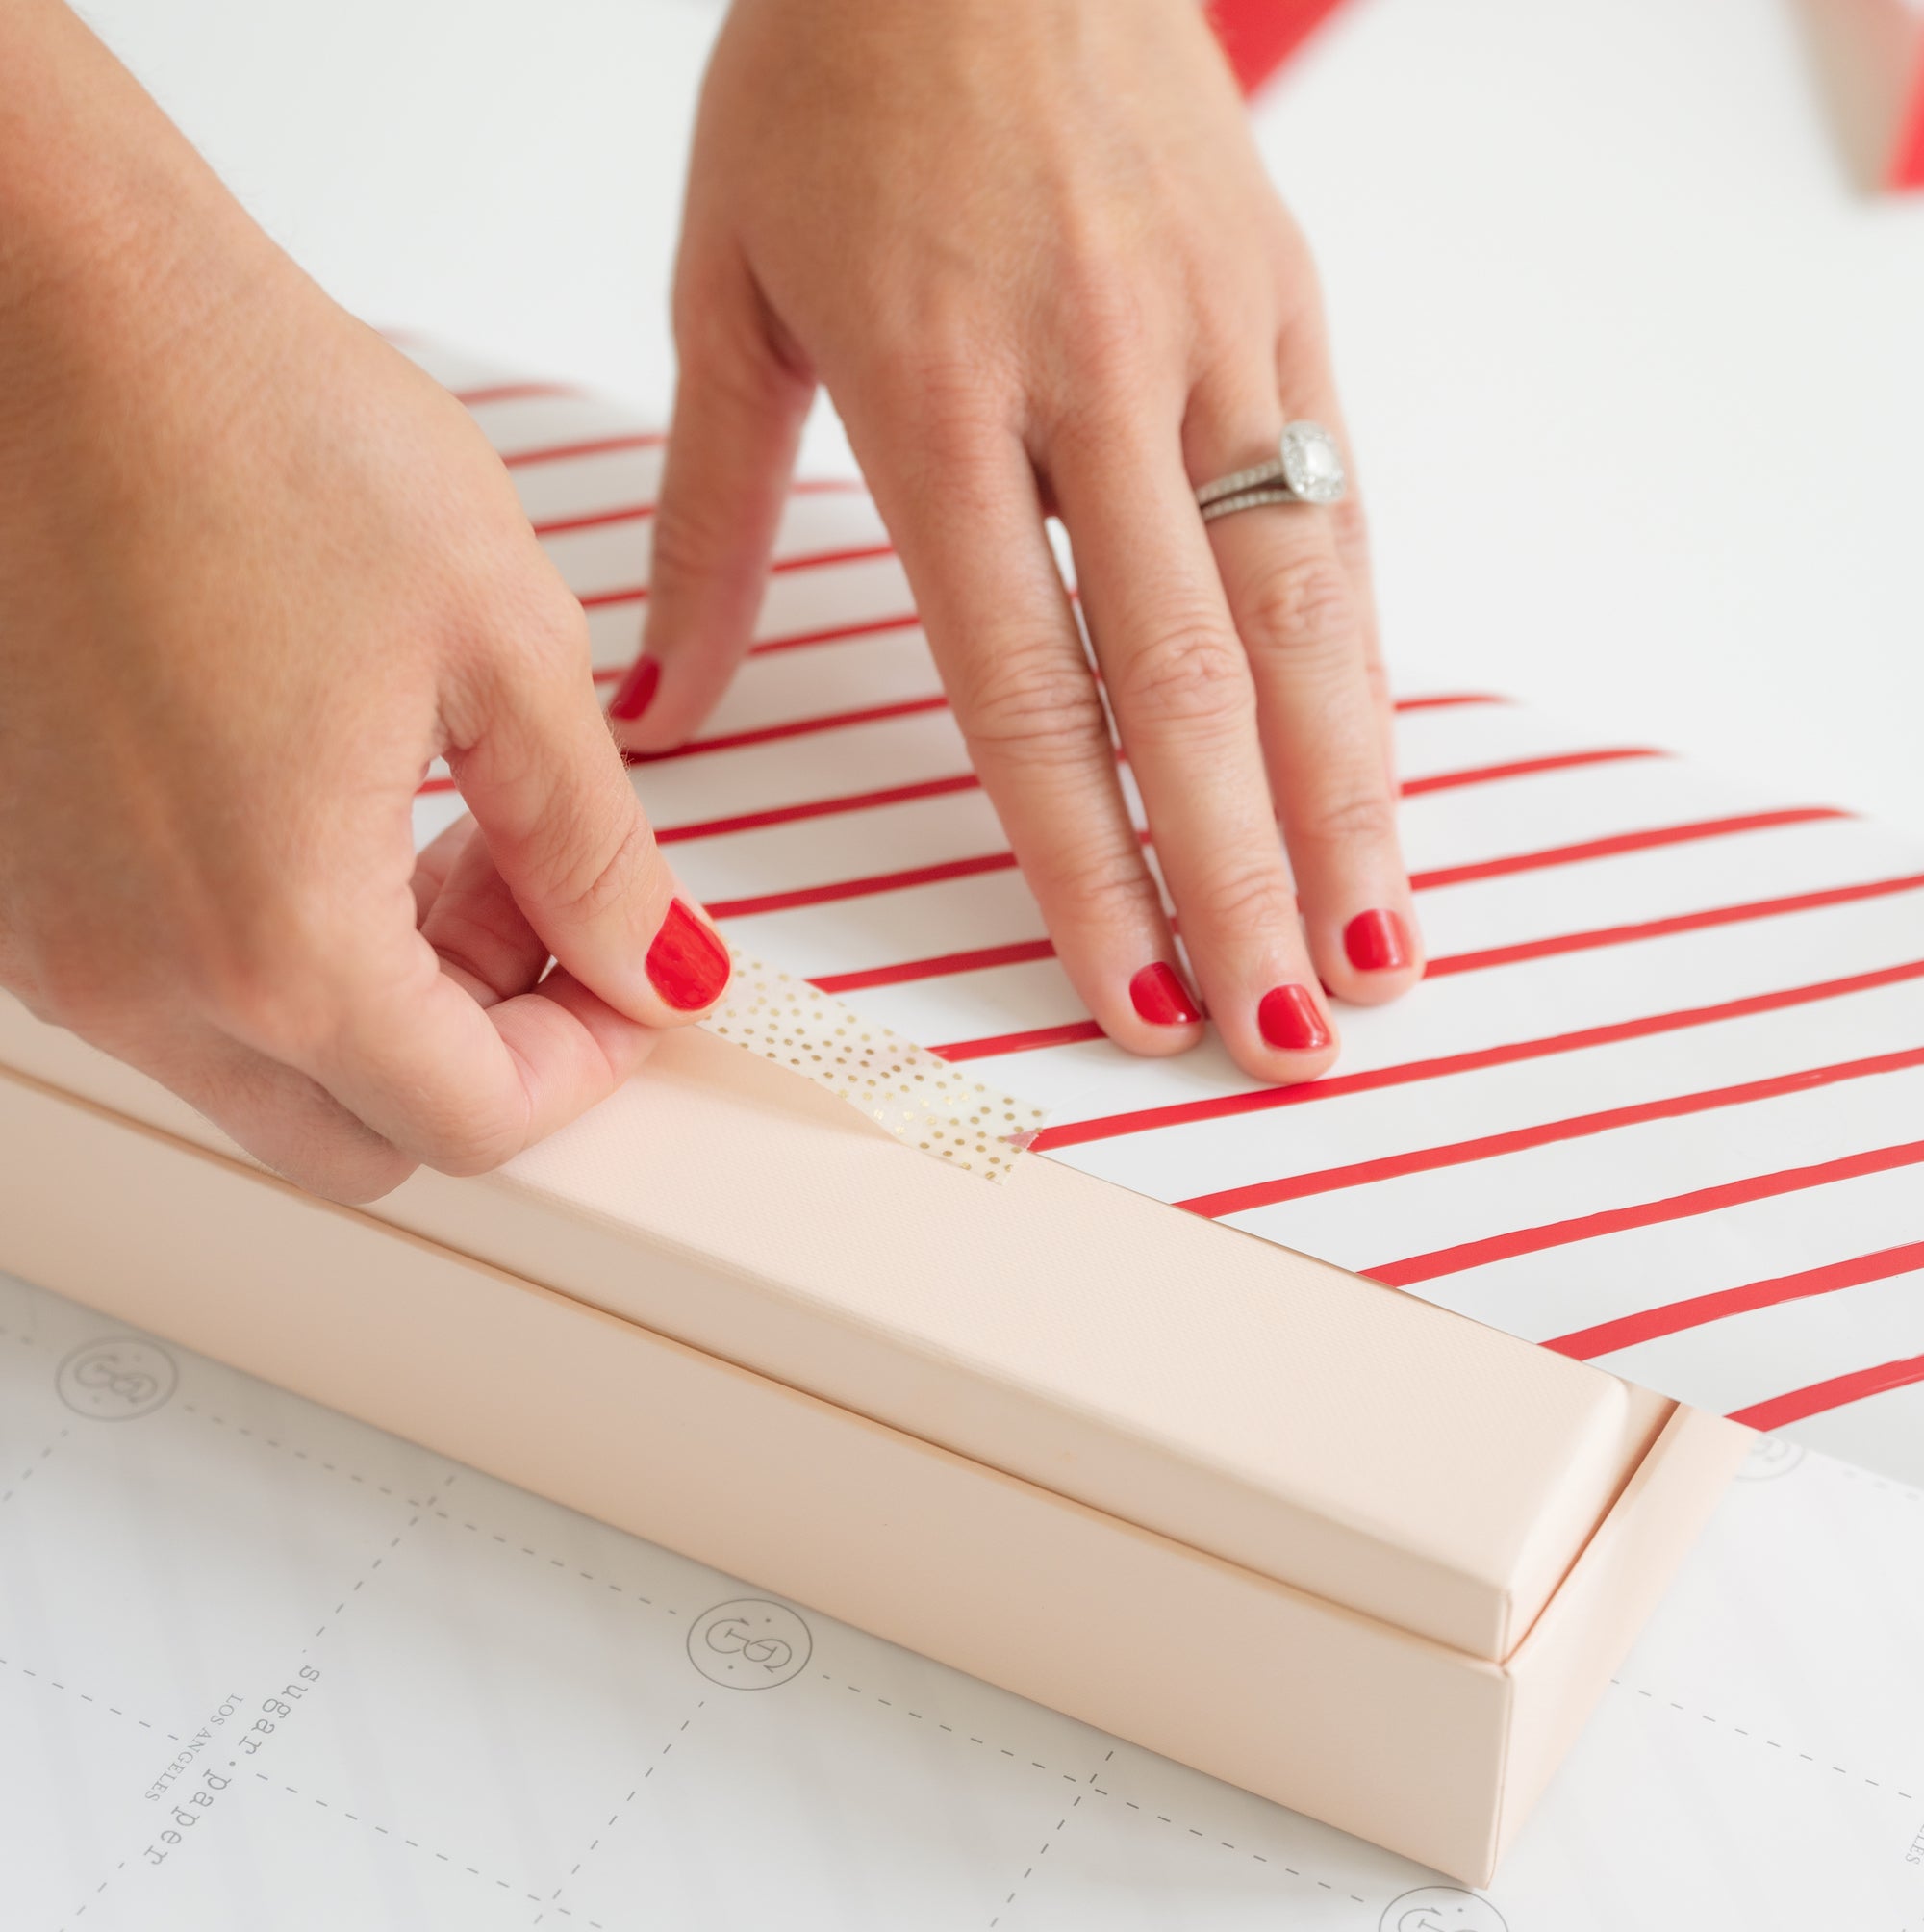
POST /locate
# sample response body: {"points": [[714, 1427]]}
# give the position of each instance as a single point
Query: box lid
{"points": [[1263, 1407]]}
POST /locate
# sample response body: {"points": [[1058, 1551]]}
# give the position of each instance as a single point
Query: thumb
{"points": [[572, 846], [740, 403]]}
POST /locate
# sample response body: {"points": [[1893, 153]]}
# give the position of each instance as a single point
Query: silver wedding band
{"points": [[1307, 468]]}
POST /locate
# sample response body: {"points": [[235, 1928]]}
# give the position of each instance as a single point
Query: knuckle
{"points": [[471, 947], [1036, 698], [728, 353], [465, 1147], [1115, 348], [1377, 675], [449, 1124], [1302, 606], [687, 538], [553, 630], [1099, 885], [58, 985], [1249, 896], [597, 865], [87, 1008], [533, 630], [1192, 673], [724, 333], [352, 1174], [1359, 817], [67, 972], [1101, 304], [1350, 527], [953, 399], [263, 980], [696, 542]]}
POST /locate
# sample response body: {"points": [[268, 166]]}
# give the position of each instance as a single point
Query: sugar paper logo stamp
{"points": [[1441, 1907], [116, 1379], [1769, 1455], [749, 1645]]}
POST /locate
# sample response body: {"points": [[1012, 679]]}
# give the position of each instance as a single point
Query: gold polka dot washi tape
{"points": [[923, 1101]]}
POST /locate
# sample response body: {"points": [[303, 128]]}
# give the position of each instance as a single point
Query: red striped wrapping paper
{"points": [[1659, 1104]]}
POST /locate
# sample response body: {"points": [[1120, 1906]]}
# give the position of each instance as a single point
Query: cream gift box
{"points": [[1338, 1546]]}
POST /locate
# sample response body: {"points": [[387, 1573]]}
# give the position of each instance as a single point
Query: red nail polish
{"points": [[688, 962], [1289, 1018], [636, 691], [1159, 994], [1376, 942]]}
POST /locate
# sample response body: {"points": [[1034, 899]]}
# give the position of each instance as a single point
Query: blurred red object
{"points": [[1868, 58], [1906, 161], [1260, 35]]}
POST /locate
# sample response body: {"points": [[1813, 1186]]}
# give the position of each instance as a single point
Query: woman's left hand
{"points": [[1032, 252]]}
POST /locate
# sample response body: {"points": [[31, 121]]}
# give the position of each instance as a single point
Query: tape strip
{"points": [[921, 1100]]}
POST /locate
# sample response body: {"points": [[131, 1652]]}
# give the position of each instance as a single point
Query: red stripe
{"points": [[868, 800], [875, 882], [796, 641], [818, 808], [1002, 862], [1521, 767], [594, 519], [1467, 1254], [1607, 1337], [510, 392], [1110, 1126], [764, 734], [1660, 928], [1833, 1394], [873, 626], [1015, 954], [793, 727], [1543, 1134], [607, 599], [636, 513], [1506, 955], [801, 639], [1070, 1033], [861, 554], [861, 888], [810, 560], [599, 446], [1446, 701], [1620, 842]]}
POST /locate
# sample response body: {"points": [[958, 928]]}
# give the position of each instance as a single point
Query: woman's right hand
{"points": [[256, 572]]}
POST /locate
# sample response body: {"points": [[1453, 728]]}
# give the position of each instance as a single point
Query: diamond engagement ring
{"points": [[1307, 468]]}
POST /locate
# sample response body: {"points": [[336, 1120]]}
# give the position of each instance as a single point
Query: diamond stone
{"points": [[1312, 466]]}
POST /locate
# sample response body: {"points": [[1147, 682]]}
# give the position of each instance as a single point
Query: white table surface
{"points": [[397, 1696], [1635, 368]]}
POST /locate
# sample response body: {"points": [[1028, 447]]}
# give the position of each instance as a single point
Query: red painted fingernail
{"points": [[636, 691], [1160, 997], [1288, 1017], [688, 962], [1376, 942]]}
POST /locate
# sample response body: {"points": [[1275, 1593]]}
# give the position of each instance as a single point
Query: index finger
{"points": [[1005, 638]]}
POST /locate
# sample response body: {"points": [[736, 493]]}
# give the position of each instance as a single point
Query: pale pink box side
{"points": [[852, 1517], [1270, 1408]]}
